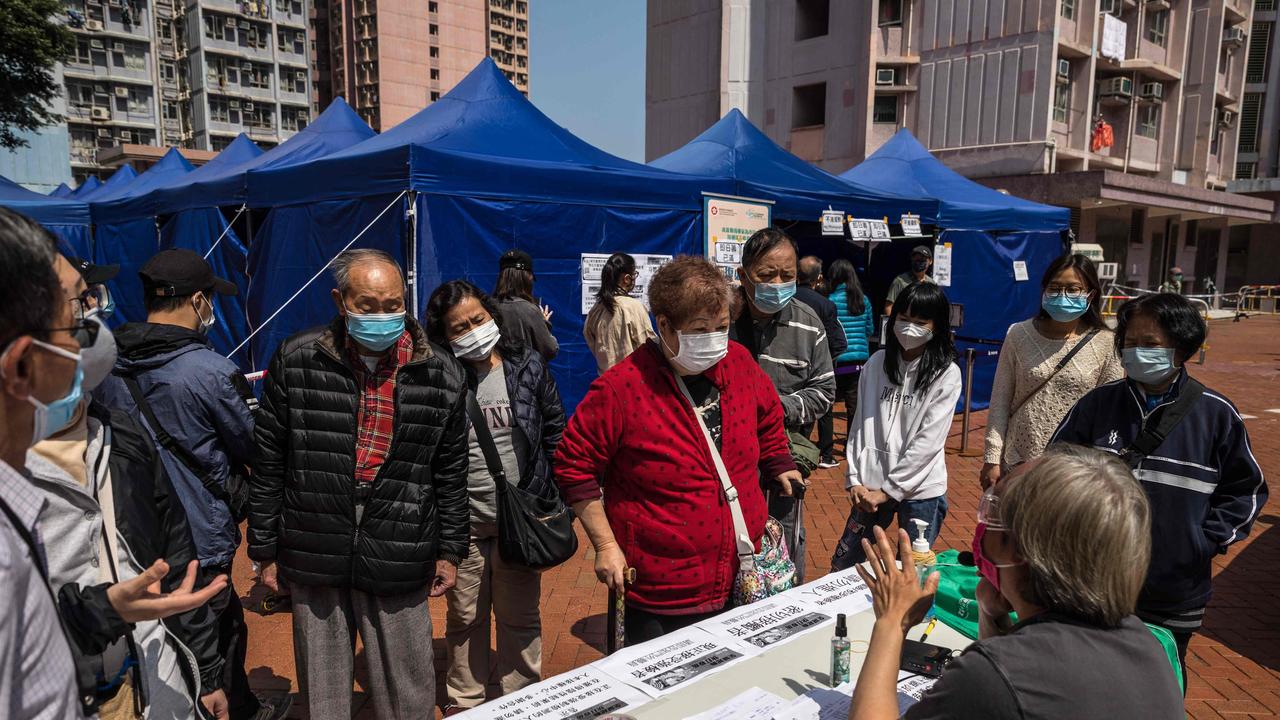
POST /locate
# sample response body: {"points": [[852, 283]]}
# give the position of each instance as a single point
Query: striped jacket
{"points": [[792, 350], [1203, 482]]}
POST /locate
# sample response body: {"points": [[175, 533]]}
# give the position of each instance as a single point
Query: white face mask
{"points": [[98, 359], [206, 324], [699, 351], [910, 335], [477, 344]]}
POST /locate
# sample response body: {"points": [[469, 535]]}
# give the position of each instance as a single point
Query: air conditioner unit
{"points": [[1064, 69], [301, 76], [1111, 7], [104, 132], [244, 25], [1116, 87], [1234, 36], [117, 47], [886, 76], [1226, 118], [233, 104], [122, 92], [126, 136], [246, 66], [231, 22], [97, 45], [248, 106], [100, 113], [93, 25], [99, 89], [1153, 91]]}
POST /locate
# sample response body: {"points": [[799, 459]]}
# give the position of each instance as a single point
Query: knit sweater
{"points": [[614, 334], [1026, 360]]}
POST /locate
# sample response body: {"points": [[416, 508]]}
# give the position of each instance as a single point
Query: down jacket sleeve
{"points": [[552, 412], [266, 483], [449, 474]]}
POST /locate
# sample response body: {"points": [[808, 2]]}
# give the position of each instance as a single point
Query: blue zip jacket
{"points": [[204, 402], [1204, 485], [858, 328]]}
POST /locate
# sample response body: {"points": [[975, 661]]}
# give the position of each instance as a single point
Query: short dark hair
{"points": [[763, 242], [1085, 268], [167, 303], [1174, 314], [447, 297], [29, 286], [514, 283]]}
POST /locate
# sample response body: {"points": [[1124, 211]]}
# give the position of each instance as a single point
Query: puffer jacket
{"points": [[539, 418], [204, 402], [302, 491], [859, 327], [178, 657]]}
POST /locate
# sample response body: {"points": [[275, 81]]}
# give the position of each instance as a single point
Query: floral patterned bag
{"points": [[763, 574]]}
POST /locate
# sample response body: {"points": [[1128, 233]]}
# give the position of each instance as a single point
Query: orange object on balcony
{"points": [[1103, 136]]}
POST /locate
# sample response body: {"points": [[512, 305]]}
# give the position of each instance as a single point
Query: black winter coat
{"points": [[301, 494], [539, 417]]}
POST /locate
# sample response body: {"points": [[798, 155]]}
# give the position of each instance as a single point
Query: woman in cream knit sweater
{"points": [[1033, 389]]}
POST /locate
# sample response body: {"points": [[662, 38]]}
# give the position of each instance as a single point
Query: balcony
{"points": [[1151, 69], [1235, 11], [234, 47], [292, 97], [108, 72]]}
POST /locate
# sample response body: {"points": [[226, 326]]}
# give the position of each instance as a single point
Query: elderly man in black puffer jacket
{"points": [[359, 493]]}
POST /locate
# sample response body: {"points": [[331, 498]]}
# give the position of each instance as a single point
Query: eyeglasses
{"points": [[95, 298], [85, 333], [989, 511], [1071, 291]]}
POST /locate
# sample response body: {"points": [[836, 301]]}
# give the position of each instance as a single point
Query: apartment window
{"points": [[1255, 69], [1246, 170], [1250, 114], [433, 29], [1062, 102], [133, 59], [435, 96], [170, 110], [1068, 9], [168, 71], [79, 95], [139, 103], [885, 109], [812, 18], [435, 74], [809, 105], [1148, 121], [1158, 27], [433, 7], [891, 12], [216, 28], [434, 51], [1264, 5]]}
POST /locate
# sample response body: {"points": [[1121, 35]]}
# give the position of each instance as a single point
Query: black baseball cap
{"points": [[922, 250], [517, 259], [94, 274], [178, 272]]}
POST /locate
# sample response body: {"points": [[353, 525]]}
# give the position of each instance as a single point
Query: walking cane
{"points": [[616, 621]]}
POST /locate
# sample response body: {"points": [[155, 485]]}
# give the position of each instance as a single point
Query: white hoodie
{"points": [[898, 437]]}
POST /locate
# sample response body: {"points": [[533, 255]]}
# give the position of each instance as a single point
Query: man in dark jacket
{"points": [[359, 494], [1203, 482], [202, 404], [809, 282]]}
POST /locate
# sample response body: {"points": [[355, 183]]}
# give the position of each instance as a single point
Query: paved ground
{"points": [[1234, 666]]}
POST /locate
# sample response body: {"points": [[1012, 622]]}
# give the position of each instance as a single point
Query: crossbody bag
{"points": [[763, 574], [1066, 360], [1154, 434]]}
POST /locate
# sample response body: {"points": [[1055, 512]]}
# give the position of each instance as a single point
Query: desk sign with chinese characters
{"points": [[580, 694]]}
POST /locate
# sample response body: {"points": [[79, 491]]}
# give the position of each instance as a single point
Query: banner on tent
{"points": [[911, 225], [942, 264], [727, 223], [864, 229], [646, 267]]}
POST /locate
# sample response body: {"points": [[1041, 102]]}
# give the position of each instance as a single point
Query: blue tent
{"points": [[734, 148], [90, 184], [487, 172], [198, 224], [68, 219], [125, 230], [988, 232], [62, 191], [121, 177]]}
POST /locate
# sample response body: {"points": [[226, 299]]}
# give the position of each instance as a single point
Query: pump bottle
{"points": [[925, 559]]}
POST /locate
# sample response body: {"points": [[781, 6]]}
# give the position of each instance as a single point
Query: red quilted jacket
{"points": [[635, 434]]}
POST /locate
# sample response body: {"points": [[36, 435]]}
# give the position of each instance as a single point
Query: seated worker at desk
{"points": [[1064, 542]]}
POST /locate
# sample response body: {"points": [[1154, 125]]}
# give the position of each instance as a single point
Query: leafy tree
{"points": [[31, 45]]}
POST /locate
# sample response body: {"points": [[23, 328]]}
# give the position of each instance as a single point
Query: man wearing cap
{"points": [[93, 294], [921, 261], [1174, 283], [202, 409], [522, 318]]}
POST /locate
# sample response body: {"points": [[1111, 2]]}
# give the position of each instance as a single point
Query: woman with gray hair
{"points": [[1064, 542]]}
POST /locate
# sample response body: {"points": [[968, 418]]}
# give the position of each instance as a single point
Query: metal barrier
{"points": [[1260, 299], [970, 358]]}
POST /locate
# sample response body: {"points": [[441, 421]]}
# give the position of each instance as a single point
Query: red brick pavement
{"points": [[1234, 665]]}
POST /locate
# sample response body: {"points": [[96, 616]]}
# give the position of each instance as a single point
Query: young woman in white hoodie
{"points": [[906, 398]]}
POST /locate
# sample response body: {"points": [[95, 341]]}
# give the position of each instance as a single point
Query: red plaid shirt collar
{"points": [[376, 417]]}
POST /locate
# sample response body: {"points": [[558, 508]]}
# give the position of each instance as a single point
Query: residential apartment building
{"points": [[1008, 92], [185, 73], [390, 58]]}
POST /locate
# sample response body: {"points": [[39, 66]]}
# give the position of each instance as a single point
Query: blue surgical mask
{"points": [[772, 297], [375, 331], [58, 414], [1063, 308], [1148, 365]]}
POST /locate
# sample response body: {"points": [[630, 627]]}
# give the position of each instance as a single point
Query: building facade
{"points": [[1008, 92], [185, 73], [390, 58]]}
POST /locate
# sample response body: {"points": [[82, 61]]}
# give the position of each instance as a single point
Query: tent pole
{"points": [[412, 259]]}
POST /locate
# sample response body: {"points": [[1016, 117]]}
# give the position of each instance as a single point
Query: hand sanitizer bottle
{"points": [[925, 559], [840, 653]]}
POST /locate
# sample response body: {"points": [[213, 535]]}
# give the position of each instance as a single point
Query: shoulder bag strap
{"points": [[1066, 360], [1154, 434], [167, 442], [746, 547], [30, 541], [481, 427]]}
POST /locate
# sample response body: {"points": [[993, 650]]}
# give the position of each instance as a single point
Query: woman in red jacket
{"points": [[665, 513]]}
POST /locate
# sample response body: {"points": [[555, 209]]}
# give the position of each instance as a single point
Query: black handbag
{"points": [[533, 530]]}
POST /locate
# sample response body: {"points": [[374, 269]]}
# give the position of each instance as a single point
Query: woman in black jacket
{"points": [[511, 387]]}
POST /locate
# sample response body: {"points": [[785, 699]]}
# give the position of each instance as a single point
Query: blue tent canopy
{"points": [[135, 200], [190, 186], [734, 148], [68, 219], [62, 191], [481, 139], [337, 128], [90, 184], [121, 177], [903, 165]]}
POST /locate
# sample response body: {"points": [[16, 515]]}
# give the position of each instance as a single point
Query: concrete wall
{"points": [[682, 72], [463, 39], [403, 49]]}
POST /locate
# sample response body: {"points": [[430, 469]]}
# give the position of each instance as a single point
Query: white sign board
{"points": [[1093, 251], [592, 263], [911, 225], [754, 704], [765, 623], [727, 223], [942, 264], [673, 661], [1108, 271], [863, 230], [838, 592], [580, 694], [833, 223], [1020, 270]]}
